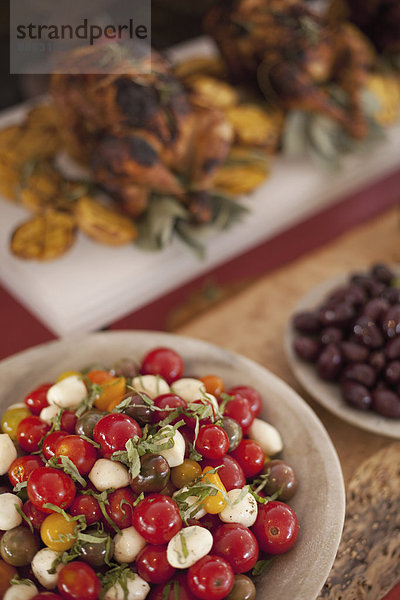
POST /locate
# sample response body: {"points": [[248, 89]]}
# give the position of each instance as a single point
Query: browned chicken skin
{"points": [[141, 132], [293, 53]]}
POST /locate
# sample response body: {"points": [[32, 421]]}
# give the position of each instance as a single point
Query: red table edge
{"points": [[21, 330], [394, 594]]}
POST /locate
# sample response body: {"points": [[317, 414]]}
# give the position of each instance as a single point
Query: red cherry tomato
{"points": [[88, 507], [164, 401], [35, 515], [157, 519], [188, 434], [47, 596], [68, 421], [252, 396], [210, 578], [152, 564], [191, 421], [119, 507], [113, 431], [231, 473], [78, 581], [22, 467], [50, 442], [212, 441], [36, 400], [250, 457], [239, 409], [164, 362], [209, 521], [169, 591], [81, 452], [30, 432], [276, 527], [46, 484], [236, 544]]}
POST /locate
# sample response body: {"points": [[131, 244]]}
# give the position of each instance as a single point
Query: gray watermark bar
{"points": [[79, 36]]}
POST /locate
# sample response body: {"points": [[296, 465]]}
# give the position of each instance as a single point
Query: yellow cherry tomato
{"points": [[185, 473], [113, 389], [12, 418], [112, 394], [214, 504], [114, 402], [58, 533], [214, 385], [68, 374]]}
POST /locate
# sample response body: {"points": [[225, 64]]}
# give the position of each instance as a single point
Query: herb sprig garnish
{"points": [[94, 391], [17, 580], [260, 566], [24, 517], [167, 590], [102, 499], [152, 442], [200, 489], [259, 484], [65, 464], [119, 574]]}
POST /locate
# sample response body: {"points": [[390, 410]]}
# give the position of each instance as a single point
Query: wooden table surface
{"points": [[252, 322]]}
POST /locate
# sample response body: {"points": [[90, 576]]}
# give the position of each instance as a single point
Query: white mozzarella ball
{"points": [[188, 546], [9, 516], [190, 501], [243, 512], [8, 452], [107, 473], [175, 455], [48, 413], [152, 385], [211, 398], [67, 393], [137, 589], [42, 562], [21, 591], [189, 388], [128, 544], [267, 436]]}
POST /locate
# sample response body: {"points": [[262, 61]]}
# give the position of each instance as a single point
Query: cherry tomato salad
{"points": [[137, 480]]}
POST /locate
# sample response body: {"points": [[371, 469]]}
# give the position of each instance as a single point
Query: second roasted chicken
{"points": [[295, 55]]}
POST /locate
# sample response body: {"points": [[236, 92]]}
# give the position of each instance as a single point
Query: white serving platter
{"points": [[94, 285]]}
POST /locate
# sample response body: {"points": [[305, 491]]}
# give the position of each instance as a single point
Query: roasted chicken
{"points": [[294, 54], [141, 132]]}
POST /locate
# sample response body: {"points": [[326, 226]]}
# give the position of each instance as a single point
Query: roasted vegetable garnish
{"points": [[45, 237], [37, 138], [209, 91], [243, 172], [202, 65], [254, 126], [9, 181], [103, 224], [386, 88], [40, 185]]}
